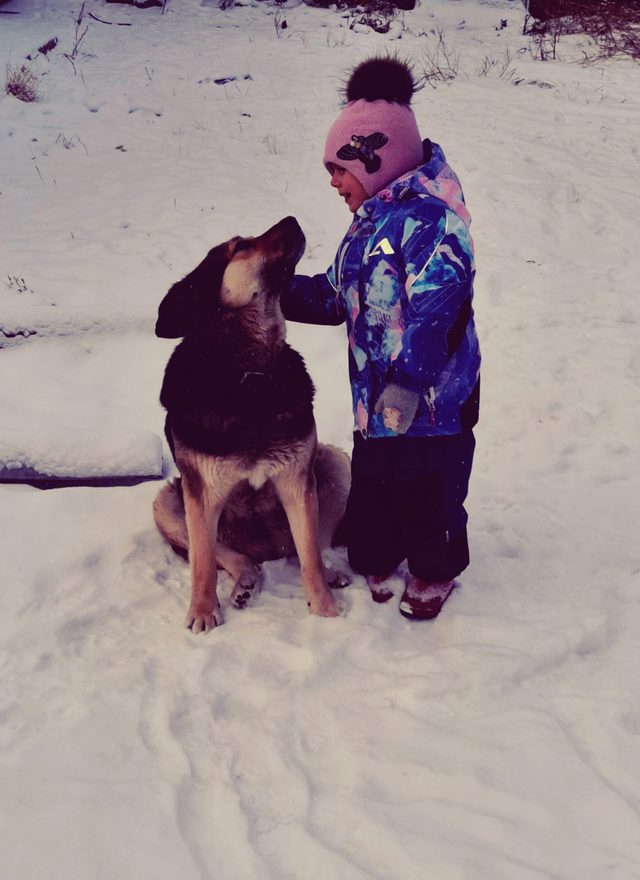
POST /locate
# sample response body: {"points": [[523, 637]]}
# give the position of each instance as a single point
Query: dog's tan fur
{"points": [[212, 512]]}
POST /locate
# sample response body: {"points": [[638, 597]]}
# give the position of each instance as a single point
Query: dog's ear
{"points": [[195, 299]]}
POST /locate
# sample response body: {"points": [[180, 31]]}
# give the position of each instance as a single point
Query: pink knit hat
{"points": [[376, 135]]}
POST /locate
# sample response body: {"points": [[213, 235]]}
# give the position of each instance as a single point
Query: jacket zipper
{"points": [[351, 236], [343, 253], [431, 404]]}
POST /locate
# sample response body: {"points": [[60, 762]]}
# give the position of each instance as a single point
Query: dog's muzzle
{"points": [[288, 238]]}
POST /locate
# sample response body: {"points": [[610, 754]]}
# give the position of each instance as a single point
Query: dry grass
{"points": [[501, 67], [612, 25], [22, 83], [440, 63]]}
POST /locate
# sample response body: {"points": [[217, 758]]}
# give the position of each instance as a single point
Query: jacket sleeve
{"points": [[312, 300], [438, 268]]}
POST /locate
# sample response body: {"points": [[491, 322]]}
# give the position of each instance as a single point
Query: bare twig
{"points": [[139, 4], [103, 21], [80, 34]]}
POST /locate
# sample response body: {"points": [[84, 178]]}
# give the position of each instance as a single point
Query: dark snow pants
{"points": [[407, 502]]}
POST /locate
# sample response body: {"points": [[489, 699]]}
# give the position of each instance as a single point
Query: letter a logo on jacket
{"points": [[383, 247]]}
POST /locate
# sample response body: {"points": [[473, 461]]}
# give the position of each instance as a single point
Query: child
{"points": [[403, 282]]}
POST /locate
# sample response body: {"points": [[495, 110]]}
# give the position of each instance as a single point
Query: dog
{"points": [[254, 482]]}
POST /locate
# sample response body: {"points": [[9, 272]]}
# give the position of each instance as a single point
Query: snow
{"points": [[74, 453], [500, 741]]}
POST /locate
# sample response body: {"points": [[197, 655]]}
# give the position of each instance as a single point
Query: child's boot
{"points": [[380, 590], [422, 600]]}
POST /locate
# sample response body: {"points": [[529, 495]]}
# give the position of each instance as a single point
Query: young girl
{"points": [[402, 280]]}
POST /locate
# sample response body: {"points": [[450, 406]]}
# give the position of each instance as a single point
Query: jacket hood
{"points": [[434, 178]]}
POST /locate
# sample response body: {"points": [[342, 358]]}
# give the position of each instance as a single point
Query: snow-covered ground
{"points": [[502, 741]]}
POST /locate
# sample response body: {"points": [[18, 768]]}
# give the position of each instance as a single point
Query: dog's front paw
{"points": [[324, 605], [202, 617], [247, 587]]}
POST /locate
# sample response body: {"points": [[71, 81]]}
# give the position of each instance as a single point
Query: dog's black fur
{"points": [[217, 405], [221, 396], [240, 426]]}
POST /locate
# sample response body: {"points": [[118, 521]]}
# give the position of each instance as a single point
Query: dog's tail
{"points": [[168, 513]]}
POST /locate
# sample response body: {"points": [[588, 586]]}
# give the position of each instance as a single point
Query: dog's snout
{"points": [[297, 239], [291, 226], [287, 234]]}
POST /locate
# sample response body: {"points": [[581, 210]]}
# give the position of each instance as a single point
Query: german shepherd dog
{"points": [[254, 484]]}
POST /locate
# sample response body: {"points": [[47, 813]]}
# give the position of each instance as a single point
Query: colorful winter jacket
{"points": [[402, 280]]}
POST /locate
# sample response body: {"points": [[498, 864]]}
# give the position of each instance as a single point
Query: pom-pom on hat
{"points": [[376, 135]]}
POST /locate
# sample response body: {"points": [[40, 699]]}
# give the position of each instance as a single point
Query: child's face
{"points": [[348, 186]]}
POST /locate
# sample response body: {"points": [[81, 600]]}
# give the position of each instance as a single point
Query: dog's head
{"points": [[243, 274]]}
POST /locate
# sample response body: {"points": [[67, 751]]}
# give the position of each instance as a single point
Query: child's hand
{"points": [[398, 407]]}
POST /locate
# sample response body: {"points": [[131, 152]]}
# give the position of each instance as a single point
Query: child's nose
{"points": [[335, 179]]}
